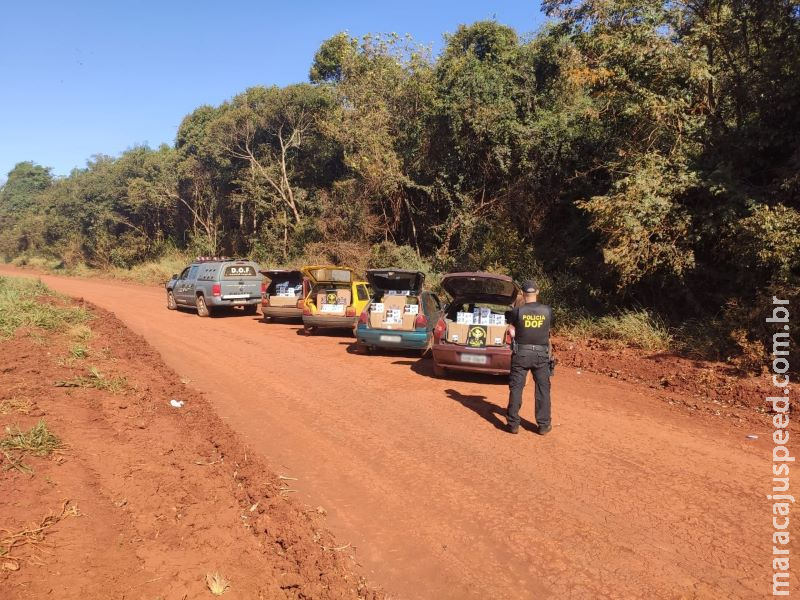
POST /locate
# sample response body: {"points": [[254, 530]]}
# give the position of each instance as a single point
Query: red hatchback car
{"points": [[472, 334]]}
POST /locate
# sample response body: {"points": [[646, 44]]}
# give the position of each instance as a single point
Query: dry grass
{"points": [[12, 541], [217, 584], [79, 333], [95, 379], [15, 405]]}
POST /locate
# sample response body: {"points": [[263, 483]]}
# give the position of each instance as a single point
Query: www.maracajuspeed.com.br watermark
{"points": [[781, 497]]}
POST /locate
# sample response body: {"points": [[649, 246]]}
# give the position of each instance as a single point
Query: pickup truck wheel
{"points": [[438, 370], [171, 304], [251, 309], [202, 308]]}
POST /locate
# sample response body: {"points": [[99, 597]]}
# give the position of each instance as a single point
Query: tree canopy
{"points": [[631, 152]]}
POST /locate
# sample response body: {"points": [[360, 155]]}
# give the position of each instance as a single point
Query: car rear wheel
{"points": [[308, 330], [438, 370], [171, 304], [362, 348], [202, 308]]}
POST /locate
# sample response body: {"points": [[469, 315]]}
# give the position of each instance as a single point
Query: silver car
{"points": [[211, 284]]}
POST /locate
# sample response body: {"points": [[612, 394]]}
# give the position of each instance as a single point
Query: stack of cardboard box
{"points": [[333, 301], [284, 295], [393, 313], [493, 324]]}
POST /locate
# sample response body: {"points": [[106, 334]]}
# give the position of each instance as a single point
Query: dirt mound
{"points": [[144, 500], [709, 387]]}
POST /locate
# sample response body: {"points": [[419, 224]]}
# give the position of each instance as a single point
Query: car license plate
{"points": [[332, 308], [475, 359], [236, 296], [390, 338]]}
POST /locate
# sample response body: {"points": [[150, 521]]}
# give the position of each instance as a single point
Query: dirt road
{"points": [[627, 497]]}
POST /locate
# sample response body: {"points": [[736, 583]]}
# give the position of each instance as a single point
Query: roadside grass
{"points": [[78, 351], [37, 441], [20, 306], [151, 272], [95, 379], [147, 273], [637, 328], [37, 262]]}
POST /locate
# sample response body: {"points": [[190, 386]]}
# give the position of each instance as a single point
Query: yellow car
{"points": [[336, 299]]}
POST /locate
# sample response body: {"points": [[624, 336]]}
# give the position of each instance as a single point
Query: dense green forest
{"points": [[631, 154]]}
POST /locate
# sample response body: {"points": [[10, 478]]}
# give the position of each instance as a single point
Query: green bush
{"points": [[638, 328]]}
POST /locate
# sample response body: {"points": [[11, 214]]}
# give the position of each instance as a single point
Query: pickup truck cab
{"points": [[336, 298], [212, 283], [400, 315]]}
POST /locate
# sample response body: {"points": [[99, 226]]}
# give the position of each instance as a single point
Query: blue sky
{"points": [[84, 78]]}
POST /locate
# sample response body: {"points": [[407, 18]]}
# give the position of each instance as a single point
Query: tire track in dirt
{"points": [[626, 498]]}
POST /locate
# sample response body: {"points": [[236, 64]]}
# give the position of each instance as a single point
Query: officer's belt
{"points": [[533, 347]]}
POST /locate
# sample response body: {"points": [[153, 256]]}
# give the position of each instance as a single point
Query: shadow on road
{"points": [[335, 332], [424, 366], [491, 412]]}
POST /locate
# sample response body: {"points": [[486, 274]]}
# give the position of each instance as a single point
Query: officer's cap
{"points": [[530, 287]]}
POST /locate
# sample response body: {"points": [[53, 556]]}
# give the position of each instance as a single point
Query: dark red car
{"points": [[477, 339]]}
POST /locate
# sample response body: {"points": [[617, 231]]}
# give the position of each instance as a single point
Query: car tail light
{"points": [[421, 322], [301, 304], [216, 290], [439, 330], [307, 311], [350, 311], [263, 288], [364, 318]]}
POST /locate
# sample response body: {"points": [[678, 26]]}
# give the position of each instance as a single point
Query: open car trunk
{"points": [[477, 316], [331, 298], [332, 290], [285, 287], [396, 298]]}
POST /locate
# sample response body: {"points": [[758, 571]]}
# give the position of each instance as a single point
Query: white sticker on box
{"points": [[412, 309], [377, 307]]}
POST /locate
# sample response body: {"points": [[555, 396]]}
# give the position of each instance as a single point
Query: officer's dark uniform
{"points": [[532, 322]]}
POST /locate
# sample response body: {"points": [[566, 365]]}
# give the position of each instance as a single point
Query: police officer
{"points": [[531, 352]]}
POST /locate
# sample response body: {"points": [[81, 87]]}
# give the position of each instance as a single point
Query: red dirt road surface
{"points": [[630, 496]]}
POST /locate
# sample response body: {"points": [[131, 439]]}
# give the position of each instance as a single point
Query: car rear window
{"points": [[283, 285], [240, 271]]}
